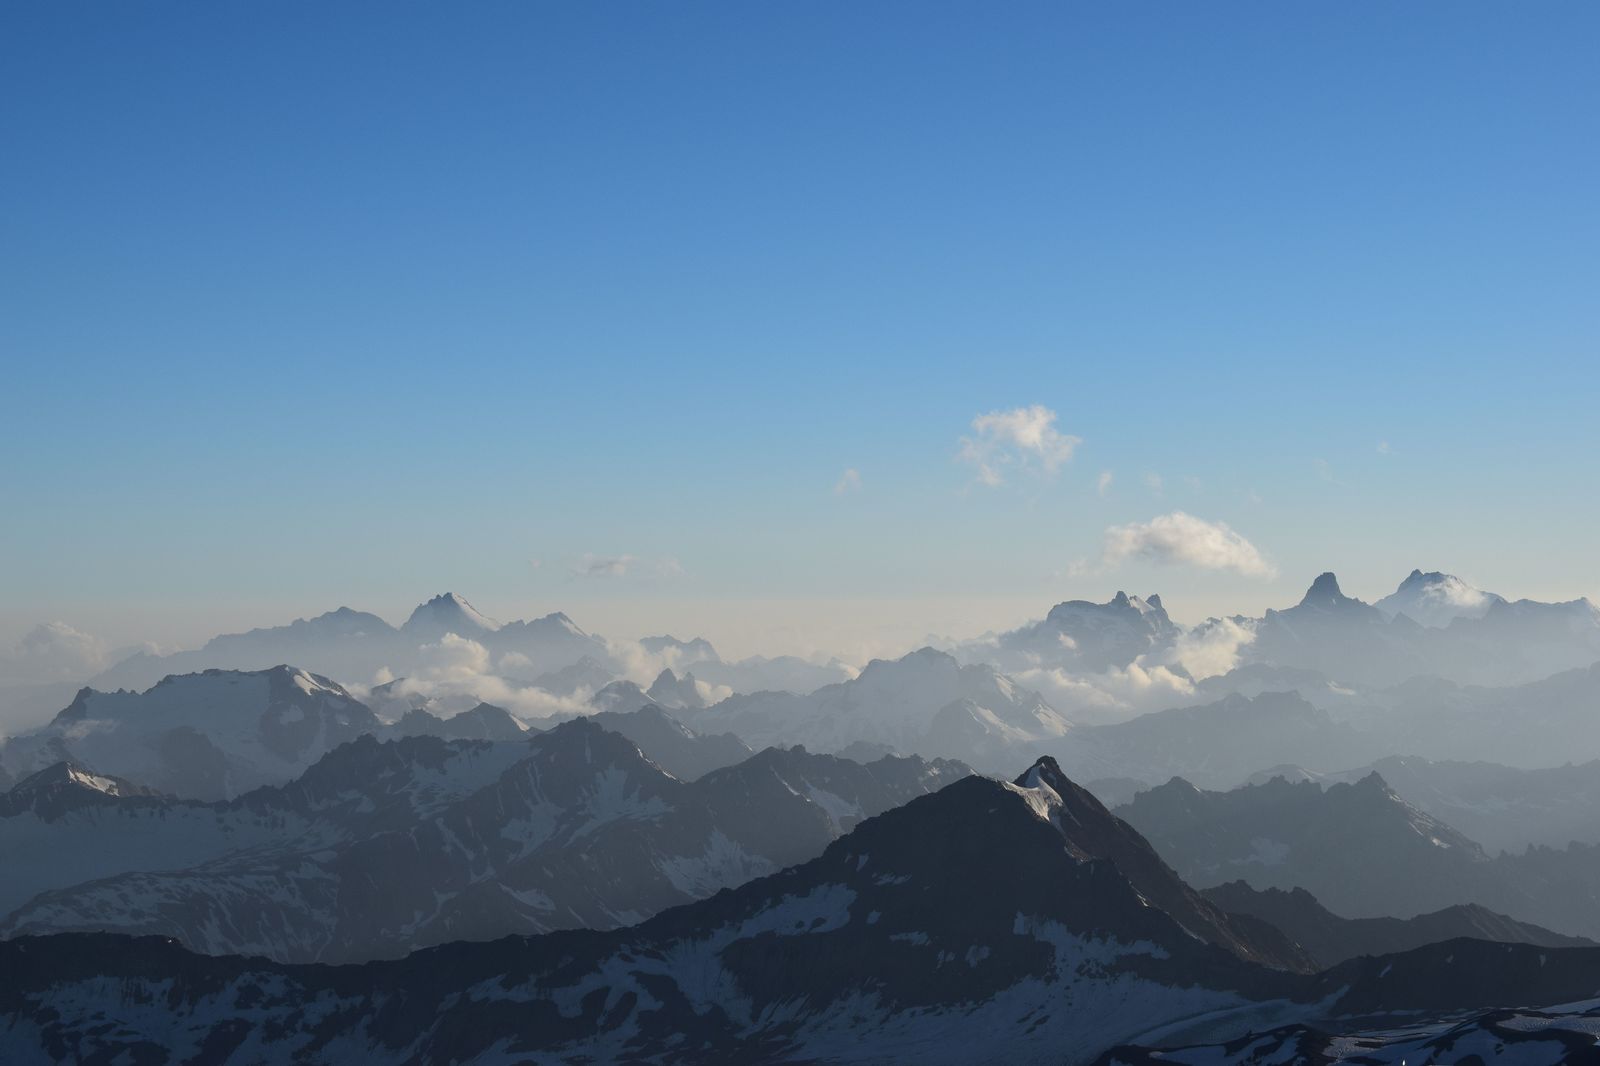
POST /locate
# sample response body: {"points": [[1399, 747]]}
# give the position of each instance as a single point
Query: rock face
{"points": [[205, 736], [1092, 832], [385, 847]]}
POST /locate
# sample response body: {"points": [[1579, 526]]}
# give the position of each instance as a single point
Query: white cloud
{"points": [[849, 481], [1108, 695], [612, 566], [1153, 482], [1383, 447], [452, 658], [456, 672], [1102, 484], [1024, 438], [1182, 539], [1212, 647], [592, 565], [54, 651]]}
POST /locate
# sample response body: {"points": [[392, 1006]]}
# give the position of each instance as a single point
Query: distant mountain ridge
{"points": [[210, 735], [1330, 940], [924, 702]]}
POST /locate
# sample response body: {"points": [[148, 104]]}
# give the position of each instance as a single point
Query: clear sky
{"points": [[592, 306]]}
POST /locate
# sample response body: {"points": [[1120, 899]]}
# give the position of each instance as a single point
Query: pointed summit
{"points": [[70, 775], [670, 690], [448, 613], [1324, 592], [1093, 833]]}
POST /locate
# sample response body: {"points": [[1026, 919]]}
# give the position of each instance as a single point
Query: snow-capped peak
{"points": [[71, 775], [449, 613], [1436, 599]]}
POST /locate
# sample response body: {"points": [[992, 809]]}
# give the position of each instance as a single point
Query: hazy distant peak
{"points": [[1121, 603], [692, 650], [1436, 599], [1324, 592], [450, 613]]}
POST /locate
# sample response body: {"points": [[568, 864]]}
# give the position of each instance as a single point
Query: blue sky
{"points": [[303, 305]]}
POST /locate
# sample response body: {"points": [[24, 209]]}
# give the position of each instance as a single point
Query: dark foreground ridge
{"points": [[985, 922]]}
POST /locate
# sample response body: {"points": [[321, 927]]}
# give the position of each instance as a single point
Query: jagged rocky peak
{"points": [[1120, 604], [670, 690], [1324, 592]]}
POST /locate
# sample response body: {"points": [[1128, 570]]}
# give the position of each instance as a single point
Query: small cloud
{"points": [[1153, 482], [1324, 471], [452, 657], [1180, 539], [617, 566], [1194, 484], [849, 481], [591, 565], [1102, 484], [1383, 447], [1024, 438]]}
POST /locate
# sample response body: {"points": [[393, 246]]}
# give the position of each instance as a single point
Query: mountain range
{"points": [[386, 846], [1342, 832], [986, 922]]}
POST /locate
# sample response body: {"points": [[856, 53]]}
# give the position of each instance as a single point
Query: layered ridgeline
{"points": [[987, 922], [219, 734], [925, 702], [210, 735], [1434, 624], [1477, 678], [1486, 639], [1362, 851], [1503, 808], [550, 653], [354, 645], [383, 847], [1329, 939]]}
